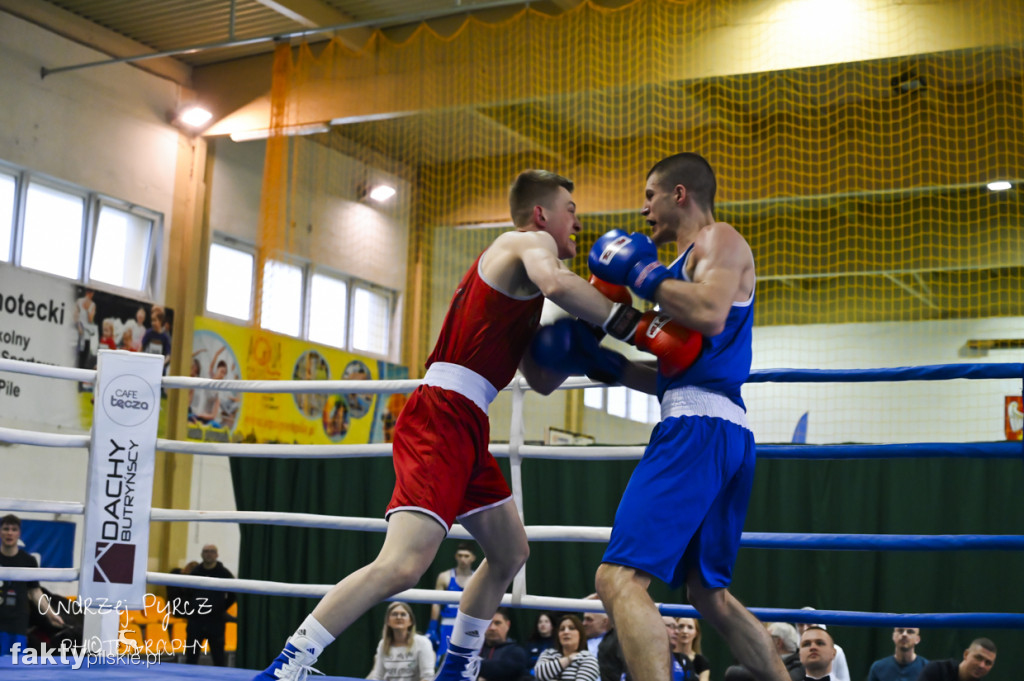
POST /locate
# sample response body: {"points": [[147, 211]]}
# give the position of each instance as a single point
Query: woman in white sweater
{"points": [[568, 659], [402, 654]]}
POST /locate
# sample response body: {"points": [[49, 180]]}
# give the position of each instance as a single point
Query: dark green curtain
{"points": [[912, 496]]}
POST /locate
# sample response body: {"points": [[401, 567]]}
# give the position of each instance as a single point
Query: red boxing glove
{"points": [[675, 346], [616, 293]]}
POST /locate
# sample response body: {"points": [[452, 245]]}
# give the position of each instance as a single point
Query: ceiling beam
{"points": [[85, 32], [315, 13]]}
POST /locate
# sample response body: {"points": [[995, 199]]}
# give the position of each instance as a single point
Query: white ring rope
{"points": [[363, 387], [269, 588], [380, 450], [367, 386], [15, 436], [332, 522], [36, 574], [41, 506], [275, 451], [18, 366]]}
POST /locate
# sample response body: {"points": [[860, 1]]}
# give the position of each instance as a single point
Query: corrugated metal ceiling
{"points": [[171, 24]]}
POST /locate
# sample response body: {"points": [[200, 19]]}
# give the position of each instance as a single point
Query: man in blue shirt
{"points": [[904, 664]]}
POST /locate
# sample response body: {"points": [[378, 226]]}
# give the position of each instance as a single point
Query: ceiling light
{"points": [[381, 193], [195, 116], [999, 186]]}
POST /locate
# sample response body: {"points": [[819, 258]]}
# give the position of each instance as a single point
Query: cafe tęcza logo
{"points": [[128, 401]]}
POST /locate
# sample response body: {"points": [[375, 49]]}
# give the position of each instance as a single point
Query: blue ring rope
{"points": [[882, 542], [930, 450], [965, 620], [933, 372]]}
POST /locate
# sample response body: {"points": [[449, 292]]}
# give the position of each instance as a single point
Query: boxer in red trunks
{"points": [[443, 468]]}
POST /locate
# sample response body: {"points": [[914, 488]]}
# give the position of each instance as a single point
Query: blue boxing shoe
{"points": [[293, 664], [459, 664]]}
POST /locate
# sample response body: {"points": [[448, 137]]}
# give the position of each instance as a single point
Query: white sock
{"points": [[311, 637], [469, 632]]}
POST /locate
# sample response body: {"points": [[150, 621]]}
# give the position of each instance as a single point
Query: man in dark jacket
{"points": [[208, 610], [502, 659], [18, 599], [977, 662]]}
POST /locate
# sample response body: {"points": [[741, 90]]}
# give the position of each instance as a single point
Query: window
{"points": [[120, 253], [624, 403], [52, 237], [229, 282], [371, 320], [8, 194], [593, 398], [617, 399], [328, 302], [280, 306], [58, 228], [300, 300]]}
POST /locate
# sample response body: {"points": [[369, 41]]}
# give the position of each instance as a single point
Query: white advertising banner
{"points": [[49, 320], [37, 324], [119, 491]]}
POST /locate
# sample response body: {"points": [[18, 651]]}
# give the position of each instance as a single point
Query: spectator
{"points": [[501, 658], [542, 637], [817, 651], [840, 669], [905, 664], [208, 613], [787, 643], [402, 654], [442, 619], [568, 659], [979, 658], [16, 597], [686, 651], [603, 643], [596, 625], [177, 597]]}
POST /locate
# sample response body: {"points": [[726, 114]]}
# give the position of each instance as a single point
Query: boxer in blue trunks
{"points": [[691, 488]]}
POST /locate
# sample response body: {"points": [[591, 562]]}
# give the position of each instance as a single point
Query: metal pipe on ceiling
{"points": [[411, 18]]}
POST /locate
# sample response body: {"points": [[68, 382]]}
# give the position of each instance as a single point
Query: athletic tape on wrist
{"points": [[622, 321]]}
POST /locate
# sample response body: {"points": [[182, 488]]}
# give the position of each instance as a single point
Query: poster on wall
{"points": [[1014, 417], [49, 320], [227, 351]]}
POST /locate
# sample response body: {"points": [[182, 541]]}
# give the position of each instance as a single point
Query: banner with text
{"points": [[119, 490], [48, 320], [226, 351]]}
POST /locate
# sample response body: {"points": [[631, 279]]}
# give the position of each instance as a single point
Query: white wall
{"points": [[106, 130], [102, 128], [920, 411], [357, 238]]}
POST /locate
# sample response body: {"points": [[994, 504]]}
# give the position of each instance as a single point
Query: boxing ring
{"points": [[518, 452]]}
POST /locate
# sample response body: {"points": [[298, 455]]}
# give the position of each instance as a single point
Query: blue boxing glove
{"points": [[630, 259], [434, 633], [569, 347]]}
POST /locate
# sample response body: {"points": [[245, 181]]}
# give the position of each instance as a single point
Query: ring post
{"points": [[515, 442], [119, 491]]}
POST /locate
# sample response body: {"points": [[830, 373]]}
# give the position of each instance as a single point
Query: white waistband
{"points": [[694, 401], [466, 382]]}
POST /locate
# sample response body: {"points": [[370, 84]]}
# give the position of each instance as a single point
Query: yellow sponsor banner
{"points": [[224, 350]]}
